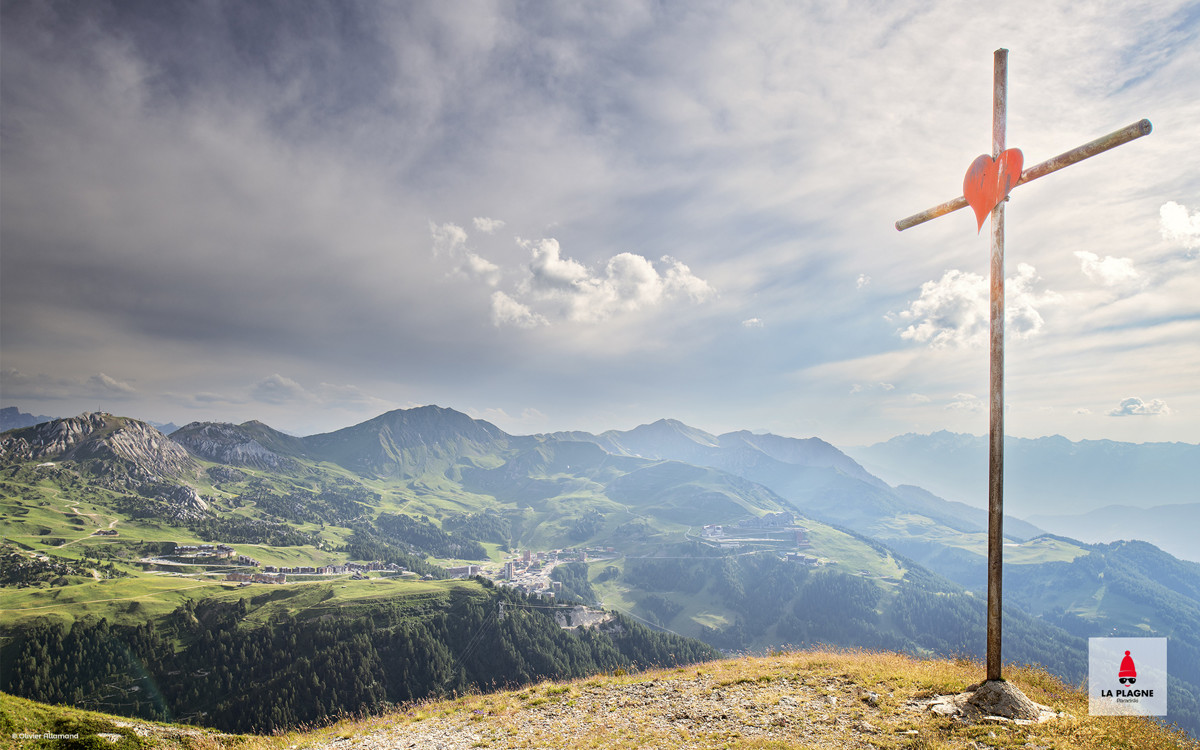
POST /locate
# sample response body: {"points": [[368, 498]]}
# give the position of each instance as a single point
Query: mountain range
{"points": [[809, 475], [437, 450], [689, 529]]}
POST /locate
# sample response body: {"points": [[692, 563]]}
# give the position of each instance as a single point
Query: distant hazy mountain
{"points": [[1045, 476], [670, 438], [1171, 528], [165, 428], [11, 418], [817, 479]]}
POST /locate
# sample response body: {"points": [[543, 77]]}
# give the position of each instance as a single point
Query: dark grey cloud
{"points": [[171, 211]]}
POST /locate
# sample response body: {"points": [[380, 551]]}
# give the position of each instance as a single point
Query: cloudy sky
{"points": [[594, 215]]}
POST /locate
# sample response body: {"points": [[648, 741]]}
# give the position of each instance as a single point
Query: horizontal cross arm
{"points": [[932, 213], [1087, 150]]}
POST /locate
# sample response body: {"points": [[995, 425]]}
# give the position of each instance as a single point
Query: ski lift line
{"points": [[647, 622], [535, 606], [473, 644], [698, 557]]}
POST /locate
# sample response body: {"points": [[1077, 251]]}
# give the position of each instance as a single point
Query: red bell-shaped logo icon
{"points": [[1128, 674]]}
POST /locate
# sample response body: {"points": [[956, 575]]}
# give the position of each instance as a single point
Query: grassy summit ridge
{"points": [[808, 699]]}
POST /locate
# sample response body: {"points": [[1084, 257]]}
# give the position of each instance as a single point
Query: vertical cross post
{"points": [[996, 411]]}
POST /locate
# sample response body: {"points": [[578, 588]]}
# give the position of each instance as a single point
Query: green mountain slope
{"points": [[406, 444], [265, 663]]}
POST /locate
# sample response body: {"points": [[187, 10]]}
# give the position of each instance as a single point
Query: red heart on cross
{"points": [[988, 181]]}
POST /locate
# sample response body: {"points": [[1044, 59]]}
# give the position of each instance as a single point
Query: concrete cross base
{"points": [[995, 701], [1004, 699]]}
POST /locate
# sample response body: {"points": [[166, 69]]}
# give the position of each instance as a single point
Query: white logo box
{"points": [[1127, 676]]}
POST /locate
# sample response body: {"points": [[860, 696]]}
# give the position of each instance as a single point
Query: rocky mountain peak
{"points": [[237, 445], [144, 452]]}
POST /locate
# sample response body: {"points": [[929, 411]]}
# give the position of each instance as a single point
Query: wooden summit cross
{"points": [[985, 188]]}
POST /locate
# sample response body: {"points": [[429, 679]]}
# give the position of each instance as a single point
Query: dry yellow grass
{"points": [[807, 699]]}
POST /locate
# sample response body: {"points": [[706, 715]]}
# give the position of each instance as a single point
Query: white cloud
{"points": [[207, 397], [550, 270], [680, 279], [1177, 226], [529, 421], [859, 387], [952, 311], [752, 323], [349, 396], [482, 268], [557, 288], [279, 390], [201, 400], [1136, 407], [508, 311], [18, 385], [1021, 303], [276, 389], [627, 283], [450, 240], [955, 310], [487, 226], [965, 402], [862, 281], [1110, 271], [101, 384]]}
